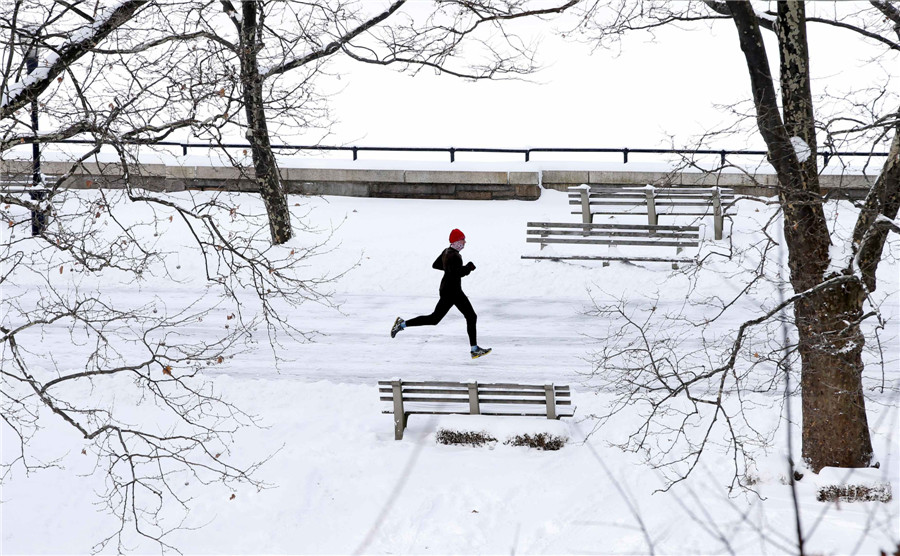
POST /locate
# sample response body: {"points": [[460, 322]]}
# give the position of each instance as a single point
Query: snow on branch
{"points": [[883, 221], [21, 93]]}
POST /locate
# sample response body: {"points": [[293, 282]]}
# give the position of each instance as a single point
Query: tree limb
{"points": [[334, 45], [33, 86], [879, 210], [890, 11]]}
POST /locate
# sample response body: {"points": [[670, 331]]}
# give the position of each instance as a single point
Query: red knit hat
{"points": [[456, 235]]}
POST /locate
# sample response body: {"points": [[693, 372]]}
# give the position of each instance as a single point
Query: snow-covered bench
{"points": [[654, 202], [648, 238], [472, 398]]}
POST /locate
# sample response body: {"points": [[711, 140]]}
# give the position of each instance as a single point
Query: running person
{"points": [[451, 293]]}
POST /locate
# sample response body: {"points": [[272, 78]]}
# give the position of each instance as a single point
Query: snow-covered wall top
{"points": [[405, 178]]}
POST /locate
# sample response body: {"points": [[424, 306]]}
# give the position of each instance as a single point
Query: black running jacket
{"points": [[450, 261]]}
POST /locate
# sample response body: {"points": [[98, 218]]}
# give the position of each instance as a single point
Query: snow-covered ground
{"points": [[341, 484]]}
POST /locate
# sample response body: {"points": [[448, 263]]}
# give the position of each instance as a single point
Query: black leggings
{"points": [[443, 306]]}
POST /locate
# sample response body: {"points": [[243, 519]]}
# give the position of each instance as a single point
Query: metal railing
{"points": [[452, 151]]}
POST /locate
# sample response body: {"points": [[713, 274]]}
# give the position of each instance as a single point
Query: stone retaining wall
{"points": [[422, 184]]}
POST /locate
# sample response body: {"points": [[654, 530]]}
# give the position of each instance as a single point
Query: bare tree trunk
{"points": [[835, 428], [268, 178]]}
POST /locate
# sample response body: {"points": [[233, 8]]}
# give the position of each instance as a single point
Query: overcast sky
{"points": [[637, 97]]}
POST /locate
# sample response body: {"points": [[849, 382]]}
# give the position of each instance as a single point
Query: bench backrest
{"points": [[469, 397], [658, 192], [612, 228], [661, 197], [654, 201]]}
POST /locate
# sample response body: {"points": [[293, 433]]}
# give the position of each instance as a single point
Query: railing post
{"points": [[184, 148], [354, 153], [718, 220], [452, 154], [625, 154], [550, 394], [399, 415], [651, 207], [474, 406], [722, 154], [528, 155]]}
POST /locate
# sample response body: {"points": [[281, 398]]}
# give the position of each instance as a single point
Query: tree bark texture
{"points": [[796, 91], [268, 179], [835, 428]]}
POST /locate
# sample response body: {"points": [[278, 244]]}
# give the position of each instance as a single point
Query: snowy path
{"points": [[531, 340]]}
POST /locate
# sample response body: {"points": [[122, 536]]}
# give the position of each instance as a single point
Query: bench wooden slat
{"points": [[662, 209], [609, 213], [642, 203], [594, 239], [658, 214], [560, 392], [623, 243], [563, 412], [639, 209], [545, 232], [480, 384], [464, 400], [604, 258], [461, 391], [481, 400], [632, 194], [495, 401], [643, 189], [617, 199], [604, 226]]}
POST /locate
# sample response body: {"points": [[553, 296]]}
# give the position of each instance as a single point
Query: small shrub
{"points": [[468, 438], [855, 493], [541, 441]]}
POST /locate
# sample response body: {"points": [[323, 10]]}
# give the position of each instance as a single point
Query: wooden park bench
{"points": [[634, 236], [654, 202], [472, 398]]}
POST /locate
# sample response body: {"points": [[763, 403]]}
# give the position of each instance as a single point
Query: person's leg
{"points": [[465, 307], [440, 310]]}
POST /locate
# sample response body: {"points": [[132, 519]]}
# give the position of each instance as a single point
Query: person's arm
{"points": [[453, 265]]}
